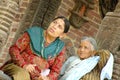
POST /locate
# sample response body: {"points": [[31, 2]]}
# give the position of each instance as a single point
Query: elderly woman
{"points": [[77, 67], [38, 54]]}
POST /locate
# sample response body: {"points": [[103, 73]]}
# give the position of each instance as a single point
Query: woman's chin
{"points": [[81, 57]]}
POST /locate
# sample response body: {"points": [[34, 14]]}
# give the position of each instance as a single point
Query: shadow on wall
{"points": [[70, 50]]}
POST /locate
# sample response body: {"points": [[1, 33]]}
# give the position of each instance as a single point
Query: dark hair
{"points": [[66, 21]]}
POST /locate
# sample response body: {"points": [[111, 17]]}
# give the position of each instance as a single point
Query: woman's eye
{"points": [[86, 47], [79, 47], [55, 22], [60, 26]]}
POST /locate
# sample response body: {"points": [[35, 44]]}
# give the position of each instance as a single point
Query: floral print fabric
{"points": [[22, 54]]}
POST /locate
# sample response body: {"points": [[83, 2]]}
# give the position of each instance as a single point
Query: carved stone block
{"points": [[8, 9]]}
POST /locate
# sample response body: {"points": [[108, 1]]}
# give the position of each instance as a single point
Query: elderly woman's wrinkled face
{"points": [[56, 28], [85, 49]]}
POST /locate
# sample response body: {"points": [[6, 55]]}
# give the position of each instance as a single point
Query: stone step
{"points": [[5, 17], [3, 33], [4, 28], [7, 13], [3, 22], [8, 9]]}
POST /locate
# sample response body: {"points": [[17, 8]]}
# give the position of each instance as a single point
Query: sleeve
{"points": [[16, 49], [56, 67]]}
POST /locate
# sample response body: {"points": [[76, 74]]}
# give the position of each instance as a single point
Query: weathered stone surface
{"points": [[108, 36], [109, 33], [8, 9]]}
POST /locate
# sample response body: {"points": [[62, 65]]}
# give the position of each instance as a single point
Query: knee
{"points": [[21, 75]]}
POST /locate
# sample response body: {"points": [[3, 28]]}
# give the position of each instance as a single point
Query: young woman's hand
{"points": [[30, 67]]}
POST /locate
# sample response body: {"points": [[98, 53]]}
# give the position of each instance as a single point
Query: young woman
{"points": [[38, 54]]}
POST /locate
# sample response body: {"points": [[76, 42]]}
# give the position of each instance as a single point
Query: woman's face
{"points": [[56, 28], [85, 49]]}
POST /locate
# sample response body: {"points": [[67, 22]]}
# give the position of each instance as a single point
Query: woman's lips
{"points": [[51, 30]]}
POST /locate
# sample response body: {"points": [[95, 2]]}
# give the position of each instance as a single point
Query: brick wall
{"points": [[89, 28]]}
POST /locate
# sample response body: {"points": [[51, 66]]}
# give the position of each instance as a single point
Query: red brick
{"points": [[72, 35], [86, 25], [94, 24], [63, 12], [97, 20], [77, 31], [89, 16], [78, 38], [70, 3], [91, 33], [85, 34], [59, 14], [83, 29], [76, 44], [64, 6], [93, 13]]}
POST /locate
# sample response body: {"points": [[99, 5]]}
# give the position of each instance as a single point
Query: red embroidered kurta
{"points": [[21, 54]]}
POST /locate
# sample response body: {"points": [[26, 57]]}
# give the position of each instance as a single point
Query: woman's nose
{"points": [[54, 26], [82, 49]]}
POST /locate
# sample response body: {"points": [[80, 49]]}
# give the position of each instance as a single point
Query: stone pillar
{"points": [[8, 9], [108, 37]]}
